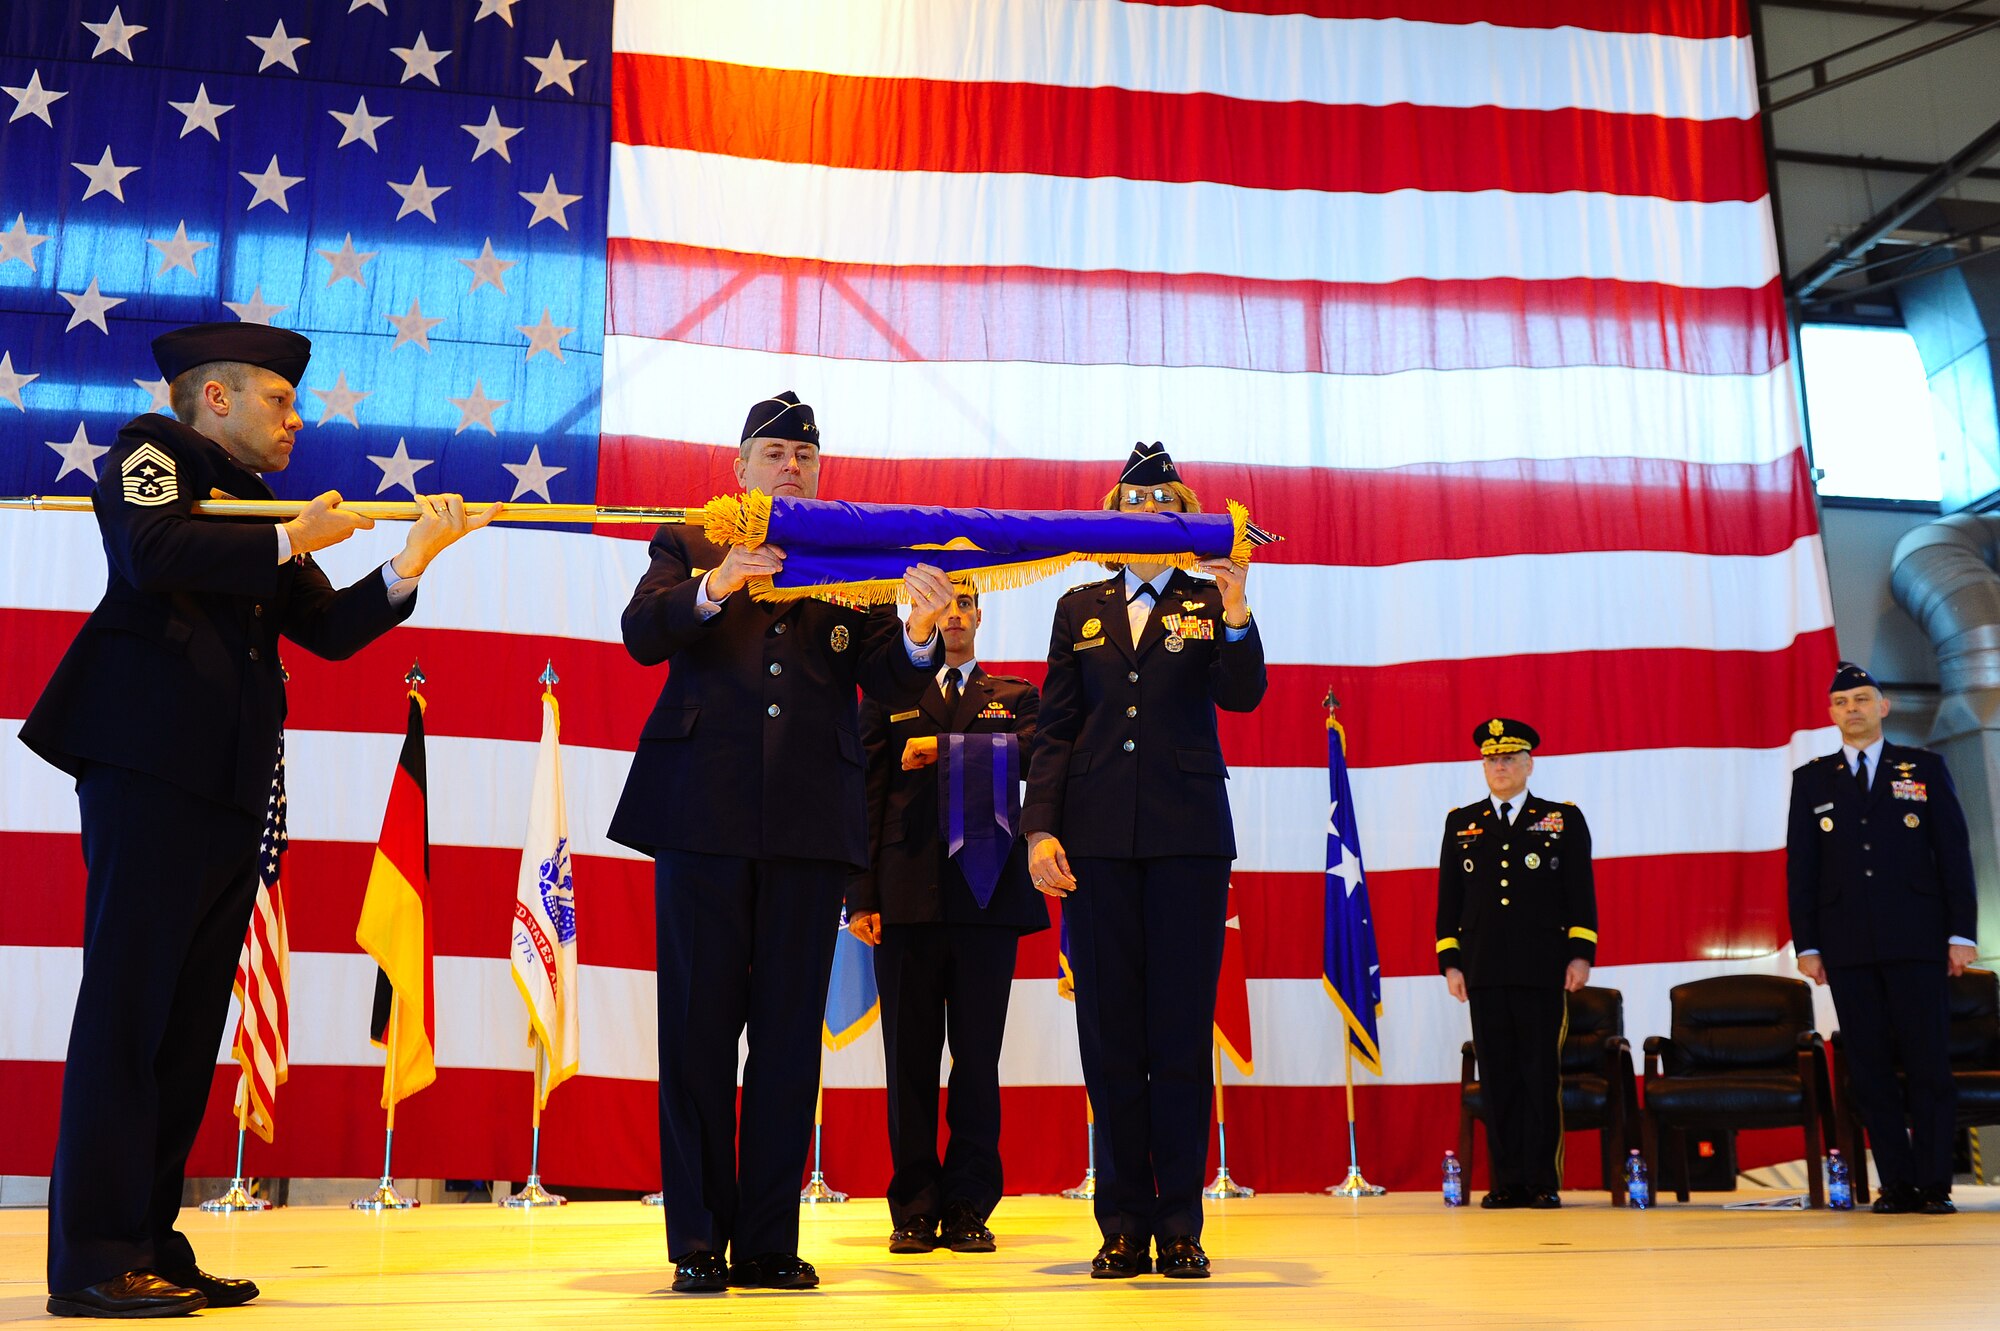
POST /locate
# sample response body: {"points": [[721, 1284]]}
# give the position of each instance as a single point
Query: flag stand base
{"points": [[1355, 1186], [1224, 1187], [1085, 1191], [237, 1198], [532, 1193], [653, 1199], [816, 1192], [385, 1198]]}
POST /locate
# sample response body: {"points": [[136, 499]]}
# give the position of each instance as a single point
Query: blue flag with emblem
{"points": [[1352, 968], [852, 1003]]}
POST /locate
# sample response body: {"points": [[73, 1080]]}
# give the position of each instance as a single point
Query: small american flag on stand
{"points": [[263, 977]]}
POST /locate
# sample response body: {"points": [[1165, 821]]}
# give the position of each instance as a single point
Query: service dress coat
{"points": [[1516, 904], [176, 673], [912, 879], [754, 746]]}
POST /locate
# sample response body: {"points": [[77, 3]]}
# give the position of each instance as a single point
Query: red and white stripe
{"points": [[263, 986], [1476, 303]]}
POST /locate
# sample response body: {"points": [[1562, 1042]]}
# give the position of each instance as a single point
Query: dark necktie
{"points": [[1145, 590], [951, 689], [1861, 775], [1506, 812]]}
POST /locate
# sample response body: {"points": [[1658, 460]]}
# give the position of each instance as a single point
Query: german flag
{"points": [[395, 926]]}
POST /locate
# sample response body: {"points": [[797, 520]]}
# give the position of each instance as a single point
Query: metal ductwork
{"points": [[1944, 574]]}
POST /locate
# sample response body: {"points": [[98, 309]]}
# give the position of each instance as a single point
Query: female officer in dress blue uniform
{"points": [[1128, 822]]}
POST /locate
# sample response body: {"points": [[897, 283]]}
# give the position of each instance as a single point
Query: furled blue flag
{"points": [[852, 1003], [859, 551], [419, 188], [1352, 969]]}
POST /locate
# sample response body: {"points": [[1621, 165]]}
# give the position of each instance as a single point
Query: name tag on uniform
{"points": [[1822, 808], [910, 715], [1094, 642], [1908, 790]]}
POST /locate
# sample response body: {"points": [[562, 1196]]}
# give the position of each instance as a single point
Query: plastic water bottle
{"points": [[1454, 1180], [1839, 1187], [1638, 1187]]}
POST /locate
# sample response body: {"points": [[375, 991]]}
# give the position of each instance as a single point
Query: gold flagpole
{"points": [[1087, 1190], [384, 1197], [237, 1197], [817, 1191], [1223, 1187], [384, 510], [532, 1192]]}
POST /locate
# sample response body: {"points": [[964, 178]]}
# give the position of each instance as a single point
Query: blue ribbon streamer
{"points": [[979, 808]]}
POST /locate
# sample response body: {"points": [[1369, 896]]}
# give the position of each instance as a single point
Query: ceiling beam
{"points": [[1901, 13], [1913, 201], [1892, 165]]}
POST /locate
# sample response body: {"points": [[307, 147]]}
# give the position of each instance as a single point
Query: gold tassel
{"points": [[741, 519], [1240, 547]]}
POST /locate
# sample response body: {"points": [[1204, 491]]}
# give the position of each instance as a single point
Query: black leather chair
{"points": [[1975, 1069], [1743, 1054], [1598, 1091]]}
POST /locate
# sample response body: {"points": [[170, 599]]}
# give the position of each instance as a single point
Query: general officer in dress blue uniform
{"points": [[1516, 931], [1128, 821], [944, 954], [748, 792], [167, 709], [1883, 909]]}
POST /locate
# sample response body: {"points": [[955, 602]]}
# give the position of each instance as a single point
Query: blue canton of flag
{"points": [[419, 186], [1352, 969], [852, 1003]]}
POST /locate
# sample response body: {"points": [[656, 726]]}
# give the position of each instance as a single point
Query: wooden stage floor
{"points": [[1294, 1261]]}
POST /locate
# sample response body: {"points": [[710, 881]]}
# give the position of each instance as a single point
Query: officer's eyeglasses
{"points": [[1134, 498]]}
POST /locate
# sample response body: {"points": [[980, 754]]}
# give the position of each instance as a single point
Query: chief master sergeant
{"points": [[1517, 933], [168, 709]]}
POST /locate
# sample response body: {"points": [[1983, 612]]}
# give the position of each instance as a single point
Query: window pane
{"points": [[1870, 410]]}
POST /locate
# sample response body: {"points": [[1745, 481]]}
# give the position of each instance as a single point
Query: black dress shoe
{"points": [[1121, 1258], [917, 1234], [1541, 1199], [964, 1231], [1935, 1201], [134, 1294], [221, 1291], [700, 1272], [774, 1270], [1898, 1199], [1504, 1199], [1181, 1258]]}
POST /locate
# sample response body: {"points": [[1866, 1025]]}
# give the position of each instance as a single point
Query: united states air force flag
{"points": [[1352, 969], [544, 944]]}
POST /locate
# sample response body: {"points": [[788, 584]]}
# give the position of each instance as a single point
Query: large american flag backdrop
{"points": [[1475, 301]]}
